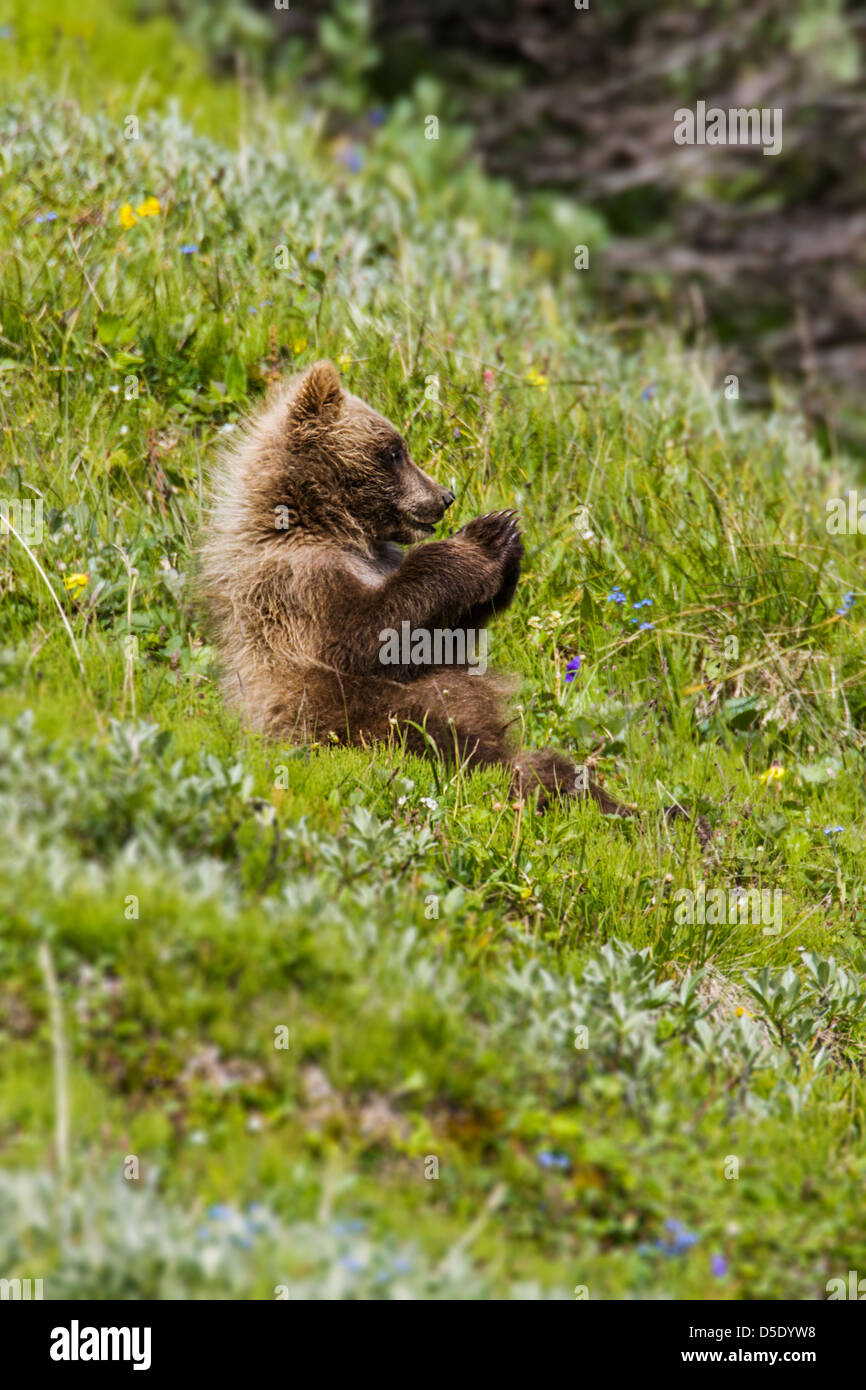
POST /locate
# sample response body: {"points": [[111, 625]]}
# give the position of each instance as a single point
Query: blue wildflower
{"points": [[647, 393], [348, 1228], [572, 669], [646, 627], [847, 604], [643, 603], [377, 115], [221, 1213], [313, 256], [189, 248], [681, 1239], [616, 595], [352, 158], [256, 1217], [719, 1266], [548, 1158], [45, 217], [833, 829], [352, 1263]]}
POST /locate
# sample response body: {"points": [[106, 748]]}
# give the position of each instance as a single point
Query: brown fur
{"points": [[302, 570]]}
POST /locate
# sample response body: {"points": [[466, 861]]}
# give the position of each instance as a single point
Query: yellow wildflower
{"points": [[543, 260], [535, 377], [298, 345], [75, 584], [127, 216], [149, 208], [774, 773]]}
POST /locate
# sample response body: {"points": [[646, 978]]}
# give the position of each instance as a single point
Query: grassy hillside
{"points": [[249, 994]]}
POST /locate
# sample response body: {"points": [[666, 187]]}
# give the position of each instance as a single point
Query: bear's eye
{"points": [[394, 455]]}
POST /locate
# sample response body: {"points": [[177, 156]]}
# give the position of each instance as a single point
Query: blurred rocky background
{"points": [[763, 256]]}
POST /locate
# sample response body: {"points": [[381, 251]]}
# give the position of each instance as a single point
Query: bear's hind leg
{"points": [[554, 775]]}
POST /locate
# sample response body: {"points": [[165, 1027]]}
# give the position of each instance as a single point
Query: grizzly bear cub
{"points": [[304, 579]]}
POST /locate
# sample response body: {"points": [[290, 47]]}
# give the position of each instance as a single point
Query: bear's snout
{"points": [[423, 499]]}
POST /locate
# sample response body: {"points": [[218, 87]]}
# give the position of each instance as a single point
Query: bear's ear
{"points": [[319, 393]]}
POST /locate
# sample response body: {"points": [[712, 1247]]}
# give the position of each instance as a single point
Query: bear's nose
{"points": [[447, 498]]}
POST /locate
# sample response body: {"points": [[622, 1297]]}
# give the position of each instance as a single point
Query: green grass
{"points": [[430, 948]]}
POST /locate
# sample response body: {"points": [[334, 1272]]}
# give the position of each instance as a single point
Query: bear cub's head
{"points": [[346, 461]]}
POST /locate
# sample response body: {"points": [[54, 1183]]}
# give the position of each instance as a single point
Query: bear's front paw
{"points": [[512, 558], [496, 534]]}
